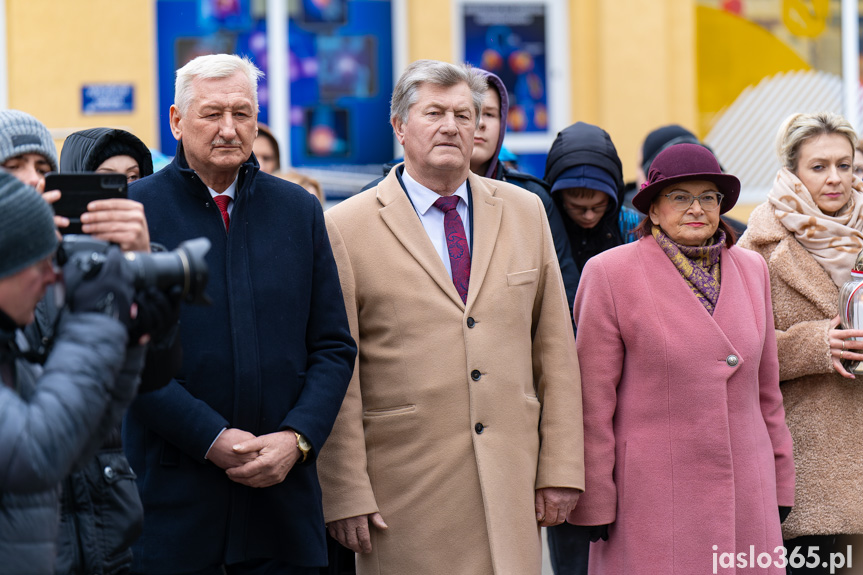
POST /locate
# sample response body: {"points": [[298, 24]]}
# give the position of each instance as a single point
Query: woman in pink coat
{"points": [[688, 459]]}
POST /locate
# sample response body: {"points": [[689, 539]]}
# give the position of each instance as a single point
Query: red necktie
{"points": [[222, 202], [456, 244]]}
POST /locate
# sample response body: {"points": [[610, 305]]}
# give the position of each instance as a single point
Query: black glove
{"points": [[100, 282], [597, 532], [158, 314], [784, 512]]}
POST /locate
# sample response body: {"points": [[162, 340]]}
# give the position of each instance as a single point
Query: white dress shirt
{"points": [[231, 192], [431, 217]]}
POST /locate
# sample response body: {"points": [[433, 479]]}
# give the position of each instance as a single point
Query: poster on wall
{"points": [[510, 40], [340, 70]]}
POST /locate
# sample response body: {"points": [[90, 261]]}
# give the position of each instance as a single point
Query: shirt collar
{"points": [[231, 192], [424, 198]]}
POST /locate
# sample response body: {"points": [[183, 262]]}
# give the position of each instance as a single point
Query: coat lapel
{"points": [[487, 212], [401, 218], [796, 267], [668, 283]]}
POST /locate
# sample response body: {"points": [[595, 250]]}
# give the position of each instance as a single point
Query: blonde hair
{"points": [[311, 185], [798, 128]]}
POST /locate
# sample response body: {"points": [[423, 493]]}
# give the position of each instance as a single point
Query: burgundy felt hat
{"points": [[683, 162]]}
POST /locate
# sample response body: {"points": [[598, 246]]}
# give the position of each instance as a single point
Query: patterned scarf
{"points": [[834, 241], [699, 266]]}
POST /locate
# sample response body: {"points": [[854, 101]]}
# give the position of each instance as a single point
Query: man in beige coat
{"points": [[461, 432]]}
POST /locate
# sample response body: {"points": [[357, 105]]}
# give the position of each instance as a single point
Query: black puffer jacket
{"points": [[577, 145], [82, 150], [50, 418]]}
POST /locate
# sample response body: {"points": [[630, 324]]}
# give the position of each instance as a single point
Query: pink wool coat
{"points": [[686, 445]]}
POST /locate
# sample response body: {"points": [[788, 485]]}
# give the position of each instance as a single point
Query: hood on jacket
{"points": [[83, 151], [497, 84], [584, 144]]}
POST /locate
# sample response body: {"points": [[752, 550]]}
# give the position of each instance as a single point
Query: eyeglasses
{"points": [[681, 201]]}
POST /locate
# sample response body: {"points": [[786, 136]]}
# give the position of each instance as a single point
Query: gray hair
{"points": [[798, 128], [439, 74], [213, 66]]}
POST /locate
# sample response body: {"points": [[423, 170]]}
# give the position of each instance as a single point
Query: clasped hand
{"points": [[255, 461]]}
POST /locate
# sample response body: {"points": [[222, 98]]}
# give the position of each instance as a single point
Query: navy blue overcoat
{"points": [[274, 351]]}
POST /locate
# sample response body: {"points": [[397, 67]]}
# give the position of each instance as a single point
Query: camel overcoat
{"points": [[686, 446], [823, 409], [456, 412]]}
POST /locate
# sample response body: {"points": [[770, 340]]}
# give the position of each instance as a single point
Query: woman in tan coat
{"points": [[810, 231]]}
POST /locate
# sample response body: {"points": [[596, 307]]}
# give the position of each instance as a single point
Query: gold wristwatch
{"points": [[304, 445]]}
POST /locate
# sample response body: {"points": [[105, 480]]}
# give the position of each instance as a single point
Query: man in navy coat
{"points": [[225, 454]]}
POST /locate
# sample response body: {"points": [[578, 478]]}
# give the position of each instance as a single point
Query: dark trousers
{"points": [[342, 561], [254, 567], [568, 547]]}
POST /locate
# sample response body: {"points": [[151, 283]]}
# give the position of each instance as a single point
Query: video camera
{"points": [[184, 267]]}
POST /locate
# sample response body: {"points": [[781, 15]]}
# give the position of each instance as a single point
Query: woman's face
{"points": [[126, 165], [825, 166], [693, 226], [265, 153]]}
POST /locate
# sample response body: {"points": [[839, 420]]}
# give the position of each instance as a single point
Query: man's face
{"points": [[19, 293], [28, 168], [438, 135], [585, 207], [220, 125], [487, 135]]}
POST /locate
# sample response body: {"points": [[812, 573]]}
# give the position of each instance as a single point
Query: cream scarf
{"points": [[834, 241]]}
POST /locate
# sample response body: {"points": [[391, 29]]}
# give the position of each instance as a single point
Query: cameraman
{"points": [[101, 513], [53, 417]]}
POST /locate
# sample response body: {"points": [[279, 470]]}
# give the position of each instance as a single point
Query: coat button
{"points": [[475, 375], [732, 360], [478, 427], [471, 322], [109, 472]]}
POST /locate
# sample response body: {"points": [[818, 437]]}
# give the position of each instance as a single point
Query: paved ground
{"points": [[546, 565]]}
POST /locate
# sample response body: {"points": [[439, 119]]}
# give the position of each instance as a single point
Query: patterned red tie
{"points": [[456, 244], [222, 202]]}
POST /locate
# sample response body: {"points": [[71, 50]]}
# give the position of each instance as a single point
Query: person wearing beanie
{"points": [[53, 417], [106, 150], [586, 179], [27, 149]]}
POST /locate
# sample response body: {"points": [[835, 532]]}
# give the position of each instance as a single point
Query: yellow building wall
{"points": [[56, 47], [632, 63]]}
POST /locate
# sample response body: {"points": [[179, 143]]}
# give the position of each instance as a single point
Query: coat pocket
{"points": [[385, 411], [522, 278]]}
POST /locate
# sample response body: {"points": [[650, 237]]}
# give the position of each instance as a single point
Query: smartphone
{"points": [[79, 189]]}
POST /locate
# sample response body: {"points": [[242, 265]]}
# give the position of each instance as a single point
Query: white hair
{"points": [[213, 66]]}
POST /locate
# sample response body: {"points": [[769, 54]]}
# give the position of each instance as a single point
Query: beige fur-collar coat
{"points": [[824, 410], [456, 412]]}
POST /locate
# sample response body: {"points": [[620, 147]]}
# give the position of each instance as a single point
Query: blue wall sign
{"points": [[107, 98]]}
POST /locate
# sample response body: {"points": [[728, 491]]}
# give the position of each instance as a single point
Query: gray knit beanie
{"points": [[21, 133], [27, 232]]}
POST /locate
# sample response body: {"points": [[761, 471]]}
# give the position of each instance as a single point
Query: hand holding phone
{"points": [[79, 189]]}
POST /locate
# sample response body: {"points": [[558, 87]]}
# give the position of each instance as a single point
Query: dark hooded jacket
{"points": [[101, 511], [497, 171], [84, 151], [577, 145]]}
